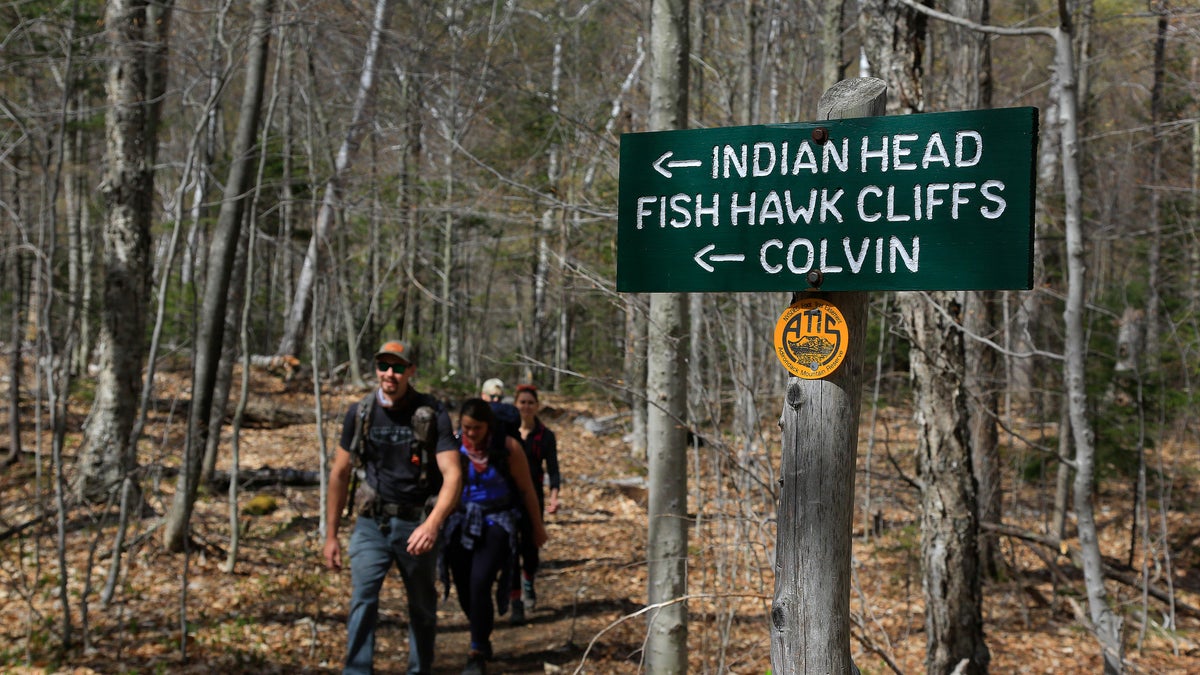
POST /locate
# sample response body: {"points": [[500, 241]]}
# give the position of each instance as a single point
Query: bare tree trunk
{"points": [[1021, 365], [1105, 622], [410, 164], [1193, 255], [833, 66], [16, 281], [295, 326], [1154, 252], [446, 351], [949, 511], [243, 396], [74, 191], [968, 86], [666, 548], [241, 283], [59, 383], [636, 322], [223, 381], [109, 453], [562, 348], [1062, 477], [982, 383], [279, 287], [212, 320]]}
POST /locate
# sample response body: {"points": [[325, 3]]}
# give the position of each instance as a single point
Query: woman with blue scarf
{"points": [[481, 538]]}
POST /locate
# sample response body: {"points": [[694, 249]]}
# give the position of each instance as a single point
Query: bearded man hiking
{"points": [[399, 459]]}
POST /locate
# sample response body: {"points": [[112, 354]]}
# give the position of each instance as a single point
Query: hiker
{"points": [[481, 536], [403, 447], [508, 418], [541, 447]]}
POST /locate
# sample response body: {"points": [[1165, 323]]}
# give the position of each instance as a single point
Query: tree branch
{"points": [[980, 27]]}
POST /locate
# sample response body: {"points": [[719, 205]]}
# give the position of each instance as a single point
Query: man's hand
{"points": [[552, 504], [333, 555], [422, 539], [339, 479]]}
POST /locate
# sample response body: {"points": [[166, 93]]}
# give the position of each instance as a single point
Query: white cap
{"points": [[492, 387]]}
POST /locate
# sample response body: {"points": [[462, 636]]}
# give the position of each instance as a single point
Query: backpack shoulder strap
{"points": [[500, 459], [363, 427], [424, 425]]}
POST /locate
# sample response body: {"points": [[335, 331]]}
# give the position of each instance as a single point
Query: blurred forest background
{"points": [[211, 187]]}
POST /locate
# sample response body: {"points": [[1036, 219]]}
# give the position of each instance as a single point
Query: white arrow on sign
{"points": [[673, 163], [716, 257]]}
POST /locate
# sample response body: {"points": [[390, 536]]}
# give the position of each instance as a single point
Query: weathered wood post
{"points": [[810, 619]]}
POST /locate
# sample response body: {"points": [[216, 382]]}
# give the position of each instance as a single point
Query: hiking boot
{"points": [[518, 613], [476, 663], [528, 595]]}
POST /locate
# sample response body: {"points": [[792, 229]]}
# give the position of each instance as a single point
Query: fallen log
{"points": [[257, 479], [1109, 571]]}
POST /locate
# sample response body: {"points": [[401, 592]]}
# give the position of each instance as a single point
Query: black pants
{"points": [[528, 552], [474, 574]]}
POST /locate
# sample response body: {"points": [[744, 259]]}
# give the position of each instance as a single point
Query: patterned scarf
{"points": [[478, 457]]}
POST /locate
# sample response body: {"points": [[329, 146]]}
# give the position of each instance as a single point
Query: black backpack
{"points": [[508, 419]]}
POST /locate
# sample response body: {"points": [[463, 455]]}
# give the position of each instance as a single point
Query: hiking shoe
{"points": [[528, 595], [476, 663], [518, 613]]}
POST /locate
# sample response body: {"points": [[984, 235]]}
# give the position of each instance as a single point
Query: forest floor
{"points": [[281, 611]]}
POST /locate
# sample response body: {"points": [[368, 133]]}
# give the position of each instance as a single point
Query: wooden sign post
{"points": [[810, 618]]}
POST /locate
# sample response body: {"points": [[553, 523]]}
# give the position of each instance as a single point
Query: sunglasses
{"points": [[383, 367]]}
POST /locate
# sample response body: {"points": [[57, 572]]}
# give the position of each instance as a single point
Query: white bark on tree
{"points": [[666, 548], [1105, 622], [636, 322], [830, 14], [109, 454]]}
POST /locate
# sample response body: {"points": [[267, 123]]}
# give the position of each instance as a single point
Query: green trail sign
{"points": [[935, 201]]}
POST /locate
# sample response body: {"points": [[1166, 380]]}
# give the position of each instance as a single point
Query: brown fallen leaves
{"points": [[281, 611]]}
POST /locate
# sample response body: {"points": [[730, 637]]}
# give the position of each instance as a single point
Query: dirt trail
{"points": [[282, 612]]}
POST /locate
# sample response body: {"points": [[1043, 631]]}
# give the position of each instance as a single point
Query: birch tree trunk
{"points": [[1105, 622], [636, 323], [109, 453], [293, 331], [410, 164], [666, 549], [212, 320], [15, 266]]}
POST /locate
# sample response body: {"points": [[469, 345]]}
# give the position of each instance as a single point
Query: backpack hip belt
{"points": [[413, 512]]}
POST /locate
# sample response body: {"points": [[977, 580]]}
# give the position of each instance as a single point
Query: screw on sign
{"points": [[811, 338]]}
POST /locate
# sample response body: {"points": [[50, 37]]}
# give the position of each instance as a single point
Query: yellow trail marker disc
{"points": [[811, 338]]}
